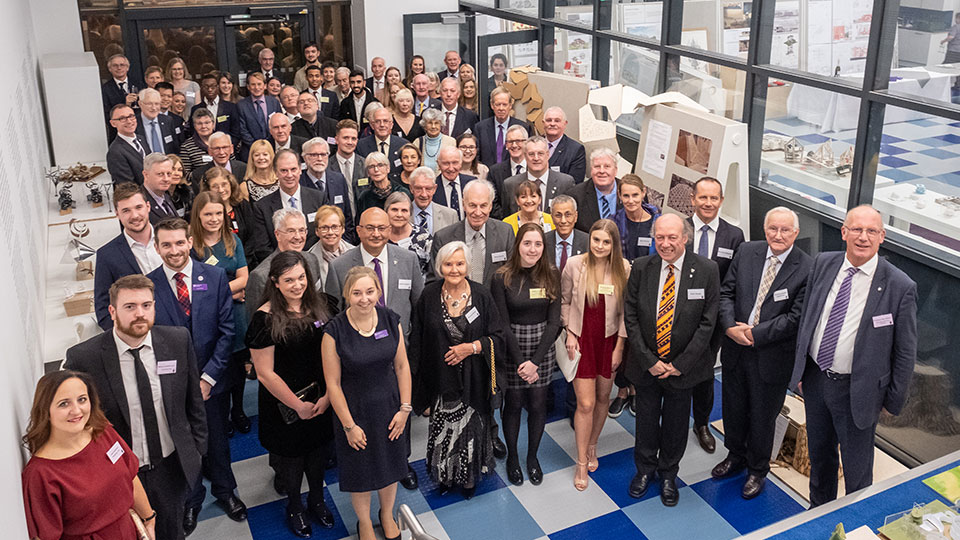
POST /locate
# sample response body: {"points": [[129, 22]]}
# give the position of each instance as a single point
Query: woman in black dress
{"points": [[368, 378], [284, 339], [527, 293]]}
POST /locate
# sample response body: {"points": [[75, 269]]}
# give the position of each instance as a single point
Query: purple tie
{"points": [[376, 268], [831, 332], [500, 144], [263, 110]]}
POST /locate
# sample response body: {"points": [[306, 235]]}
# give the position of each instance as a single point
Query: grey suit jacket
{"points": [[581, 243], [404, 265], [499, 240], [258, 280], [557, 184], [443, 217]]}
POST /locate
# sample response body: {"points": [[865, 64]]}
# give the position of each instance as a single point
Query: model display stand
{"points": [[535, 91]]}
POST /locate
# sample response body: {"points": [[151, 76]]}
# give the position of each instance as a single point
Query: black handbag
{"points": [[307, 393]]}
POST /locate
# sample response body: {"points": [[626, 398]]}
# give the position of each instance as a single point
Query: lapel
{"points": [[755, 274], [688, 274], [127, 254], [819, 298], [111, 367], [558, 151], [787, 270], [166, 301], [393, 276], [651, 280], [877, 287]]}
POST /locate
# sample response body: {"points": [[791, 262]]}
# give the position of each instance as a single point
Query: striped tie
{"points": [[765, 283], [831, 332], [668, 301], [604, 208]]}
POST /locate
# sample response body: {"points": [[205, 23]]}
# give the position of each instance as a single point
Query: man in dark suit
{"points": [[253, 112], [382, 140], [451, 183], [267, 58], [327, 99], [224, 113], [552, 183], [670, 312], [421, 95], [492, 132], [312, 124], [157, 179], [713, 237], [220, 147], [452, 61], [126, 152], [290, 195], [180, 127], [279, 126], [149, 390], [346, 161], [856, 348], [197, 296], [456, 119], [355, 107], [155, 128], [760, 302], [517, 164], [376, 83], [119, 90], [566, 155], [597, 197], [332, 185]]}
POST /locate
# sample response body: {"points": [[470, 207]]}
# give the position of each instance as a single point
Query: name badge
{"points": [[472, 314], [405, 244], [199, 286], [405, 284], [115, 452], [883, 320], [235, 226], [695, 294], [363, 181], [181, 211], [396, 162], [176, 130], [207, 158], [381, 334], [222, 118], [303, 166], [317, 324], [166, 367], [190, 95], [498, 256], [468, 131], [605, 288], [212, 260], [324, 99], [780, 296], [644, 241], [331, 140], [311, 216], [168, 138], [338, 199], [725, 253], [537, 293], [555, 168]]}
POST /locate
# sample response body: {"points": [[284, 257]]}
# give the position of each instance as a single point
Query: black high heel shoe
{"points": [[380, 515]]}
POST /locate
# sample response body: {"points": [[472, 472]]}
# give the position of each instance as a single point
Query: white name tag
{"points": [[115, 452], [404, 284], [331, 140], [190, 95], [405, 243], [303, 166], [606, 289], [883, 320], [181, 211], [644, 241], [695, 294], [472, 315], [780, 296], [311, 216], [468, 131], [168, 138], [206, 158], [338, 199], [555, 168], [166, 367], [725, 253], [498, 256], [396, 162], [176, 130]]}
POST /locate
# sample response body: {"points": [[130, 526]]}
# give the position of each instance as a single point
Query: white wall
{"points": [[378, 27]]}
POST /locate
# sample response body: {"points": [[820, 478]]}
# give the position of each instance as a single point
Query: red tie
{"points": [[563, 254], [183, 295]]}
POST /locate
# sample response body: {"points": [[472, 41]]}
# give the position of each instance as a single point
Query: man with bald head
{"points": [[451, 182], [856, 347], [376, 83], [456, 119], [452, 61], [421, 95], [279, 126], [566, 155]]}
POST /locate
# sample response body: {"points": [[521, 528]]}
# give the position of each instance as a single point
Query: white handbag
{"points": [[567, 365]]}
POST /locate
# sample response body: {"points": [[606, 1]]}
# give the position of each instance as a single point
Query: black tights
{"points": [[291, 470], [535, 400]]}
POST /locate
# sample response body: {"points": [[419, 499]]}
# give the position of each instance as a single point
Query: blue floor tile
{"points": [[813, 138], [895, 162], [940, 153], [692, 518], [890, 139], [491, 515], [613, 525], [770, 506], [950, 138], [246, 445], [933, 141], [268, 521], [898, 175], [891, 150], [952, 179], [614, 475], [431, 492], [924, 122]]}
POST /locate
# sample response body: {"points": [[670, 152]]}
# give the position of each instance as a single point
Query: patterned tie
{"points": [[831, 332], [563, 254], [765, 283], [376, 268], [500, 144], [293, 203], [703, 249], [668, 301], [155, 137], [150, 425], [455, 198], [477, 255], [423, 220], [136, 145], [183, 295], [263, 111], [446, 124], [604, 208]]}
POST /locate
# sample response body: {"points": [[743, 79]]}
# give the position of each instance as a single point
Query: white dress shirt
{"points": [[132, 141], [146, 254], [125, 83], [358, 105], [860, 289], [386, 149], [138, 431], [379, 85], [285, 199], [213, 106], [452, 121], [513, 167], [766, 264], [711, 234], [448, 187], [677, 266], [384, 266], [543, 186]]}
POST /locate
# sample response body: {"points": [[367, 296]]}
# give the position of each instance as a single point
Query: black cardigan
{"points": [[243, 214], [542, 309]]}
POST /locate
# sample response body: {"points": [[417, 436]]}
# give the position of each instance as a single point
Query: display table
{"points": [[812, 180], [831, 111], [903, 209]]}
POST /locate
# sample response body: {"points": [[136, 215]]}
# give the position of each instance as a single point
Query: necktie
{"points": [[383, 148], [136, 145], [831, 332], [665, 314], [455, 198], [155, 141], [477, 254], [150, 425], [499, 144], [703, 249], [447, 129], [551, 147], [519, 169], [376, 268], [563, 254], [168, 208], [423, 220], [348, 169], [293, 203], [263, 110], [321, 185], [765, 284], [420, 109], [123, 87], [604, 208], [183, 295]]}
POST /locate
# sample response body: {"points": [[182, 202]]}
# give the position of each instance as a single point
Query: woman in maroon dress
{"points": [[81, 480]]}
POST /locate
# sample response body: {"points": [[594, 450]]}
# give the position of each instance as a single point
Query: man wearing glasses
{"points": [[517, 164], [126, 152], [856, 347], [383, 140], [331, 184]]}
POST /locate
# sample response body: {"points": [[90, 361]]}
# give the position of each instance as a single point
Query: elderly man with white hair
{"points": [[451, 183], [219, 148], [566, 155], [597, 197], [318, 175], [156, 128]]}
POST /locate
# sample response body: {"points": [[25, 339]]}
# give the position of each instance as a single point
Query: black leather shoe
{"points": [[278, 487], [534, 471], [499, 449], [753, 486], [410, 481], [234, 508], [469, 492], [322, 515], [705, 438], [241, 422], [514, 474], [297, 523], [669, 495], [727, 467], [639, 485], [190, 520], [384, 531]]}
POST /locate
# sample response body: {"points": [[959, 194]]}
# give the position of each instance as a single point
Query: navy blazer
{"points": [[368, 144], [728, 236], [440, 195], [210, 322], [432, 103], [329, 104], [334, 193], [588, 209], [465, 122], [883, 357], [775, 336], [114, 260], [227, 120], [180, 128], [253, 126], [265, 241], [569, 157], [124, 163], [486, 132], [171, 146], [157, 212]]}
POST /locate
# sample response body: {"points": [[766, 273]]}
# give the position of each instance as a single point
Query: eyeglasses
{"points": [[125, 118], [515, 141], [300, 231], [315, 155], [329, 228], [373, 228], [377, 166], [857, 231]]}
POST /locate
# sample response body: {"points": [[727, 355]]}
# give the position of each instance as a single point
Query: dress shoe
{"points": [[753, 486], [234, 508], [616, 407], [705, 438], [410, 481], [534, 471], [278, 486], [727, 467], [397, 537], [499, 449], [190, 520], [639, 485], [514, 474], [669, 495], [469, 492], [322, 515], [297, 523], [242, 422]]}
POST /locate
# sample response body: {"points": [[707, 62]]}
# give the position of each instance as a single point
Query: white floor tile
{"points": [[556, 504], [613, 438]]}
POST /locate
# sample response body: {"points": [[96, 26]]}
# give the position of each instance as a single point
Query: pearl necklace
{"points": [[447, 297]]}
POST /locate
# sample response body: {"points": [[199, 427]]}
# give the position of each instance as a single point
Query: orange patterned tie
{"points": [[668, 301]]}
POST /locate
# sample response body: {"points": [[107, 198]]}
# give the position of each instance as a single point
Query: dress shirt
{"points": [[513, 167], [384, 266], [125, 83], [291, 116], [128, 373], [284, 145], [160, 200], [379, 85], [611, 200], [569, 241], [146, 254], [212, 106], [429, 215], [496, 130], [417, 104], [677, 266], [386, 150], [454, 74], [552, 145], [711, 233], [285, 199], [448, 187], [543, 186], [452, 119], [843, 357], [766, 263], [148, 127], [318, 183], [358, 105], [132, 141], [346, 168]]}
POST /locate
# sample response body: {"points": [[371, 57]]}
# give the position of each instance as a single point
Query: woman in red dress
{"points": [[81, 480]]}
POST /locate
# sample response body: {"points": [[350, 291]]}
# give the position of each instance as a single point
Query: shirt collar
{"points": [[285, 199], [379, 140], [368, 258], [543, 177], [568, 239], [781, 257], [187, 270], [128, 139], [116, 81], [216, 101], [322, 178], [867, 268], [122, 346], [159, 200], [451, 111], [523, 163], [147, 121], [428, 209], [677, 264], [469, 232], [698, 223], [505, 124], [131, 242]]}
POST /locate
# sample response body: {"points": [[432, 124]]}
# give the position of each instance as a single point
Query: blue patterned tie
{"points": [[604, 208], [455, 199], [155, 137], [831, 332], [703, 249]]}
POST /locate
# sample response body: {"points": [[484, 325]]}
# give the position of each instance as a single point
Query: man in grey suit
{"points": [[565, 240], [856, 347], [346, 161], [126, 152], [551, 183], [427, 213]]}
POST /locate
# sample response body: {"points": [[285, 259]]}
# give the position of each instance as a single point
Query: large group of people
{"points": [[368, 249]]}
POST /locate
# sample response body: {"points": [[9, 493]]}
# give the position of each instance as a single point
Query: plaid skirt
{"points": [[528, 337]]}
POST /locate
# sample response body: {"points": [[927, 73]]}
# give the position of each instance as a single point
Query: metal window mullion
{"points": [[670, 31], [755, 85]]}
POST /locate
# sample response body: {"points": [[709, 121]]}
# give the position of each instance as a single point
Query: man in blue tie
{"points": [[156, 128], [856, 347], [597, 197], [254, 112]]}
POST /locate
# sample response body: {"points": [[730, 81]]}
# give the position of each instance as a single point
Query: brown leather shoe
{"points": [[705, 438]]}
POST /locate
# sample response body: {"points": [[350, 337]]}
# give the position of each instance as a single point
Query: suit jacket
{"points": [[180, 390], [323, 127], [404, 265], [443, 217], [348, 109], [114, 260], [253, 126], [265, 241], [588, 209], [581, 243], [157, 212], [329, 104], [730, 237], [693, 323], [334, 193], [440, 195], [775, 336], [124, 163], [368, 144], [296, 144], [465, 121], [227, 119], [497, 176], [499, 240], [569, 157], [883, 357], [112, 96], [572, 287], [180, 128], [558, 183], [238, 168], [486, 132], [171, 145], [210, 322], [260, 275]]}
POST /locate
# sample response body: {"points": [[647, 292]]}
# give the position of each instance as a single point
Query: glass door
{"points": [[431, 35], [283, 34], [497, 54], [198, 42]]}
